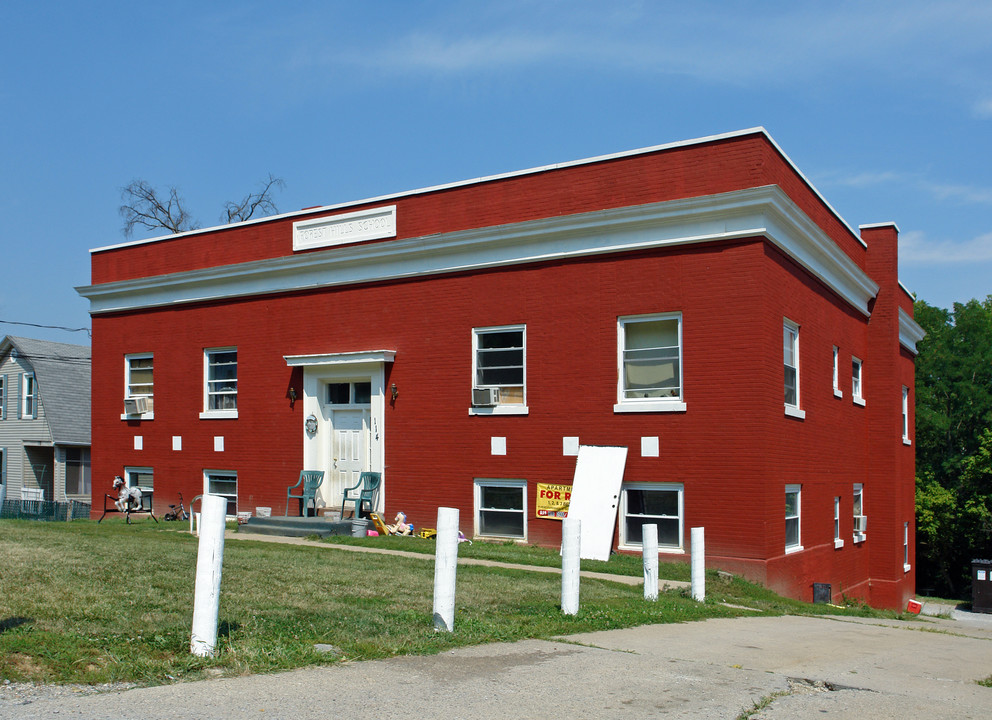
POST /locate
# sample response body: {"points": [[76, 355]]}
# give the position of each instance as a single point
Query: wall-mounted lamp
{"points": [[395, 391], [292, 396]]}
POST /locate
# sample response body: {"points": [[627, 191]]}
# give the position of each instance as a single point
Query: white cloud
{"points": [[961, 194], [916, 248], [983, 108]]}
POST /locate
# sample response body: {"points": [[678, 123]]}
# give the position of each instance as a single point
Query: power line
{"points": [[49, 327]]}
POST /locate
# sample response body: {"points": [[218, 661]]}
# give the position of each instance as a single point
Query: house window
{"points": [[225, 484], [499, 369], [838, 541], [906, 567], [905, 415], [138, 380], [3, 397], [29, 396], [501, 508], [77, 471], [650, 363], [837, 391], [793, 507], [860, 520], [652, 504], [790, 355], [857, 381], [221, 386], [141, 477]]}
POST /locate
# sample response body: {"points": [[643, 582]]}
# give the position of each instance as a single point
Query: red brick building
{"points": [[465, 339]]}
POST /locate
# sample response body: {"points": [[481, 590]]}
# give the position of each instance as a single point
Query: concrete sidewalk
{"points": [[790, 667]]}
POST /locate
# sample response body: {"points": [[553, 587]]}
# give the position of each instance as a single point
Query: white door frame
{"points": [[318, 372]]}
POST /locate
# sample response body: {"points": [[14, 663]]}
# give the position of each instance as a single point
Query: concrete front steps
{"points": [[300, 526]]}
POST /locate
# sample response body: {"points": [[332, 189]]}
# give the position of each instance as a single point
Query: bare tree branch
{"points": [[142, 206], [260, 202]]}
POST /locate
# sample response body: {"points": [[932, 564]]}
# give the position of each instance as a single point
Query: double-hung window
{"points": [[793, 514], [220, 367], [857, 381], [838, 540], [143, 478], [225, 484], [3, 397], [790, 356], [652, 504], [650, 363], [139, 386], [906, 567], [860, 519], [499, 370], [905, 415], [29, 396], [837, 391], [501, 508]]}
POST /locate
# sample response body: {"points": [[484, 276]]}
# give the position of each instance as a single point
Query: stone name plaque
{"points": [[345, 229]]}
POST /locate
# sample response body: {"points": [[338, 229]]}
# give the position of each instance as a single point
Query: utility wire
{"points": [[49, 327]]}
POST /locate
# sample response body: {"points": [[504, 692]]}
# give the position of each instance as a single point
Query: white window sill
{"points": [[793, 411], [219, 415], [794, 549], [649, 406], [859, 401], [662, 550], [906, 567], [138, 416], [838, 393], [859, 538], [500, 410], [838, 543], [906, 441]]}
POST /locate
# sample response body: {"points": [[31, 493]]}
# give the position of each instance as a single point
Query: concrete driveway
{"points": [[789, 667]]}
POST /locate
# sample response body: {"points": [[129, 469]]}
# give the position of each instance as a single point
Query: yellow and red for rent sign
{"points": [[552, 500]]}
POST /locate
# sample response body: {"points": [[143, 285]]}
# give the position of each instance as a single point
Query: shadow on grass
{"points": [[12, 622]]}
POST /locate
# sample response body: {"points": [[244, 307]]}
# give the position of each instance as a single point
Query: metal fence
{"points": [[44, 510]]}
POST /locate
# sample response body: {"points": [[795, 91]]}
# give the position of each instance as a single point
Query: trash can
{"points": [[981, 586], [359, 526]]}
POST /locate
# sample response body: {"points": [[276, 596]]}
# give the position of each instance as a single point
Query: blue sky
{"points": [[885, 106]]}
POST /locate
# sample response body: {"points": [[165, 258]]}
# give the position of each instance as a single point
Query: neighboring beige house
{"points": [[44, 420]]}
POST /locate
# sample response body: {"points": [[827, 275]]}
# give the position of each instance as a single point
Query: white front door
{"points": [[349, 450]]}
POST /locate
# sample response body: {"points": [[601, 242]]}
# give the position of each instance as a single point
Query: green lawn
{"points": [[89, 603]]}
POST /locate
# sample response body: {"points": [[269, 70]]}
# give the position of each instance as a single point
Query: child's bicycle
{"points": [[177, 512]]}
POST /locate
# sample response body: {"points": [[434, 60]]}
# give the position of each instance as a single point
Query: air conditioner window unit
{"points": [[860, 523], [485, 396], [135, 406]]}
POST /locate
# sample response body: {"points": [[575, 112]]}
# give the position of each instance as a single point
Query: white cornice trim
{"points": [[910, 332], [343, 358], [755, 212]]}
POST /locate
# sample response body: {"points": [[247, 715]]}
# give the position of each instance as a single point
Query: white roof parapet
{"points": [[910, 332]]}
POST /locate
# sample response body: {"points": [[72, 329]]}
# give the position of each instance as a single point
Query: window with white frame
{"points": [[652, 504], [501, 508], [793, 514], [225, 484], [906, 567], [499, 367], [905, 415], [143, 478], [3, 397], [837, 391], [860, 519], [790, 356], [138, 382], [29, 396], [349, 393], [220, 366], [838, 540], [857, 381], [77, 471], [650, 363]]}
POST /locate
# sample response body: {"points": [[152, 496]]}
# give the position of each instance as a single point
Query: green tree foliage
{"points": [[953, 443]]}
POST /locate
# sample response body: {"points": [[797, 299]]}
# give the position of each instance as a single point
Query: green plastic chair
{"points": [[365, 493], [310, 480]]}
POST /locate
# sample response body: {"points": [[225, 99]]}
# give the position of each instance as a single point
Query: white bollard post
{"points": [[649, 546], [209, 561], [445, 565], [571, 541], [698, 564]]}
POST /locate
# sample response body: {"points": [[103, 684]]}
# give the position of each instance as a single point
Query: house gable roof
{"points": [[63, 374]]}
